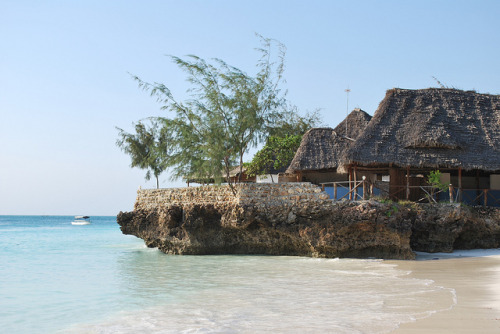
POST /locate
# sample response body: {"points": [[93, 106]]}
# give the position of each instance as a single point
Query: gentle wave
{"points": [[97, 280], [288, 295], [458, 254]]}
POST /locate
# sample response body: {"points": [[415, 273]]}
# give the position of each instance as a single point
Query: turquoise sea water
{"points": [[60, 278]]}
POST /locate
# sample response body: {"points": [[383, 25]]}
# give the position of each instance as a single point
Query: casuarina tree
{"points": [[148, 148], [227, 113]]}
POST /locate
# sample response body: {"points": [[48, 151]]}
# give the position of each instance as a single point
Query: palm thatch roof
{"points": [[435, 127], [235, 171], [322, 148]]}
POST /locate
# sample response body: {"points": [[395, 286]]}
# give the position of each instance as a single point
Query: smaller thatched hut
{"points": [[234, 175], [319, 157]]}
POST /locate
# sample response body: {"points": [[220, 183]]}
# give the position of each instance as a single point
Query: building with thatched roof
{"points": [[234, 175], [416, 131], [320, 154]]}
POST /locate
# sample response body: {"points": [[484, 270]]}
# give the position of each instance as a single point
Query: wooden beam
{"points": [[355, 184], [407, 183], [393, 183], [350, 180], [478, 191], [460, 184], [364, 190]]}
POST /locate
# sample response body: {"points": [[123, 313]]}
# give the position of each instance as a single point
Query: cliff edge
{"points": [[300, 219]]}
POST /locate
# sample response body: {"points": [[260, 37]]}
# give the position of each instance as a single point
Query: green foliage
{"points": [[434, 180], [381, 199], [392, 210], [408, 204], [148, 148], [277, 153], [293, 124], [284, 140], [228, 113]]}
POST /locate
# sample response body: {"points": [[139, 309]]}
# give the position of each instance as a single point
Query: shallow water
{"points": [[59, 278]]}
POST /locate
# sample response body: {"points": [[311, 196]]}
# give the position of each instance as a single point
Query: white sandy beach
{"points": [[475, 277]]}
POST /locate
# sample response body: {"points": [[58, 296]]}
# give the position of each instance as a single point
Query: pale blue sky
{"points": [[64, 82]]}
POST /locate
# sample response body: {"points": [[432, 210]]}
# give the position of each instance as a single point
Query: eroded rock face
{"points": [[345, 230], [443, 228], [300, 219]]}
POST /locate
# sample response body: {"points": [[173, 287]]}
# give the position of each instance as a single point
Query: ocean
{"points": [[60, 278]]}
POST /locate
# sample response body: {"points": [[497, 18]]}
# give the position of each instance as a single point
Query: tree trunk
{"points": [[228, 177], [241, 167]]}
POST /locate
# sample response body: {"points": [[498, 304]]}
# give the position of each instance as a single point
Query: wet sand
{"points": [[476, 281]]}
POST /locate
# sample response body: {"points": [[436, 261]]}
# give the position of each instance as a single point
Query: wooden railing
{"points": [[351, 187], [484, 197], [431, 194]]}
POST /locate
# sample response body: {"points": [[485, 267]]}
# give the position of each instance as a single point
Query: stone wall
{"points": [[268, 194]]}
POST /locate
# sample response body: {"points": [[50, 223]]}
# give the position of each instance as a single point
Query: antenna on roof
{"points": [[347, 110]]}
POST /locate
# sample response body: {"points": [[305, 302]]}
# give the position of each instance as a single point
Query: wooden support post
{"points": [[335, 190], [364, 190], [408, 183], [460, 184], [393, 183], [355, 181], [485, 197], [323, 187], [450, 188], [478, 191], [350, 182]]}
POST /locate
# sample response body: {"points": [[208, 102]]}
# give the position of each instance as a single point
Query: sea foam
{"points": [[284, 294]]}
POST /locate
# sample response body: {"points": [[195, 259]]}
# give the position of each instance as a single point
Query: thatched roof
{"points": [[235, 171], [433, 127], [322, 148]]}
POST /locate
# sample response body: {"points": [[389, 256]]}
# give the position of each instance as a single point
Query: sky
{"points": [[66, 66]]}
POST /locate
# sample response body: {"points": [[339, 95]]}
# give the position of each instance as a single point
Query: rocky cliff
{"points": [[299, 219], [443, 228]]}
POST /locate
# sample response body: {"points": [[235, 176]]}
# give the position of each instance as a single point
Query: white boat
{"points": [[81, 220]]}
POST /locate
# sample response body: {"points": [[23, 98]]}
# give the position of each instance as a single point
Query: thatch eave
{"points": [[432, 128]]}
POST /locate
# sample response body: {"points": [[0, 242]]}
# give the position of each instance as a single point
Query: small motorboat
{"points": [[81, 220]]}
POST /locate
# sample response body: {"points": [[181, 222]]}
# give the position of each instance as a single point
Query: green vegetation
{"points": [[292, 124], [394, 208], [434, 180], [228, 112], [281, 146], [277, 153], [148, 148], [408, 204], [381, 199]]}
